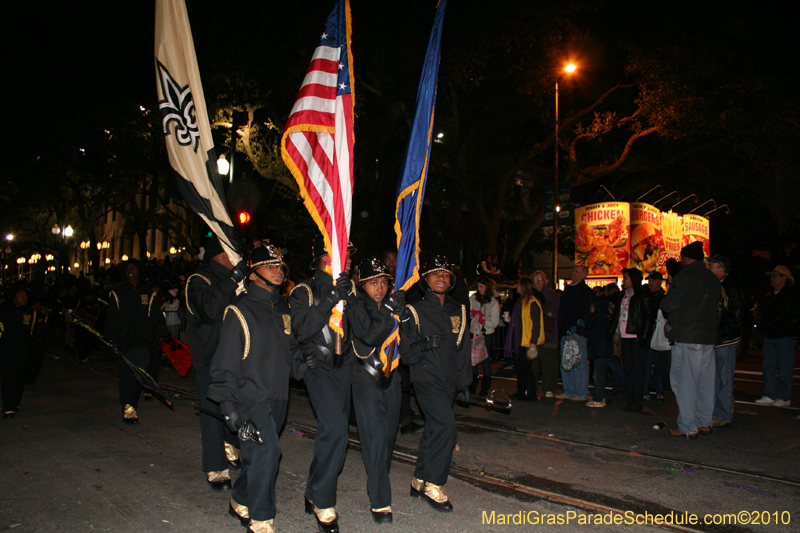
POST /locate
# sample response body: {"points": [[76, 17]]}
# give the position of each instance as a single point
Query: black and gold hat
{"points": [[373, 269], [435, 263], [266, 255]]}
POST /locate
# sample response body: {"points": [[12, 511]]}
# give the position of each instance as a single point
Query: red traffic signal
{"points": [[244, 217]]}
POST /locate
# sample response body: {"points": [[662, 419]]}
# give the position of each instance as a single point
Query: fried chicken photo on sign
{"points": [[616, 229]]}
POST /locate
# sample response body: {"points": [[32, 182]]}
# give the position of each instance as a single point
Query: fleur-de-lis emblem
{"points": [[177, 108]]}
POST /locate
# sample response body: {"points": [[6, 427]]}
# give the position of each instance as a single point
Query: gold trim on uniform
{"points": [[116, 298], [188, 307], [455, 321], [416, 316], [310, 295], [150, 304], [287, 324], [246, 331], [361, 356], [463, 324]]}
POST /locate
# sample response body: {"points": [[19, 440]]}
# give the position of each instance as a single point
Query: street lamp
{"points": [[223, 166], [570, 68], [9, 237]]}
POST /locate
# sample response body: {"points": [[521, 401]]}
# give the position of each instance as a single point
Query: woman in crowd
{"points": [[484, 319]]}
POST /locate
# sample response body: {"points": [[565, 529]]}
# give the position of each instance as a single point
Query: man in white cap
{"points": [[780, 324]]}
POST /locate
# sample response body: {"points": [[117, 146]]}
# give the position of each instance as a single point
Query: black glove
{"points": [[239, 272], [310, 357], [344, 286], [406, 314], [463, 395], [249, 431], [232, 417], [396, 302], [433, 342]]}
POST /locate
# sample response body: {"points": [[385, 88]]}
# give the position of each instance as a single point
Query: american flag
{"points": [[317, 145]]}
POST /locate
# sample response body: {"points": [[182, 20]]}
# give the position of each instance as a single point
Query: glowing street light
{"points": [[223, 167], [569, 69], [9, 237], [68, 231]]}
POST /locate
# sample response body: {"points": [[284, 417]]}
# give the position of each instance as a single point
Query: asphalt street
{"points": [[69, 463]]}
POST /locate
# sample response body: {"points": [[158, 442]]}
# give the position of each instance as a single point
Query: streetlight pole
{"points": [[556, 196]]}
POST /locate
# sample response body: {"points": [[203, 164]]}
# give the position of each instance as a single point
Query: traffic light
{"points": [[244, 218]]}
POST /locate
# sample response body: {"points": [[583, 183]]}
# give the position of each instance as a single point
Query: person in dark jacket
{"points": [[433, 343], [574, 306], [729, 334], [328, 380], [135, 325], [780, 324], [599, 346], [376, 397], [654, 358], [633, 326], [250, 373], [209, 291], [546, 364], [17, 322], [691, 308]]}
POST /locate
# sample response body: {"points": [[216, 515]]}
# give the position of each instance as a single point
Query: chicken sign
{"points": [[616, 235], [602, 238]]}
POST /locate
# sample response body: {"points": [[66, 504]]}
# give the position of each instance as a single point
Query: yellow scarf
{"points": [[527, 322]]}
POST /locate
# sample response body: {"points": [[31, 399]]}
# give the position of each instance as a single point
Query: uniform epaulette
{"points": [[188, 308], [463, 324], [116, 298], [150, 304], [416, 316], [310, 294], [245, 329]]}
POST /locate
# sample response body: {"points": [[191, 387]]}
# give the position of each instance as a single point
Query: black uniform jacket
{"points": [[369, 326], [254, 359], [310, 317], [450, 363], [208, 292], [16, 329], [134, 319]]}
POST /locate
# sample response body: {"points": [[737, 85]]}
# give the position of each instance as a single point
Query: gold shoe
{"points": [[219, 480], [129, 415], [240, 512], [261, 526], [326, 515], [417, 487], [221, 475], [435, 493], [232, 455]]}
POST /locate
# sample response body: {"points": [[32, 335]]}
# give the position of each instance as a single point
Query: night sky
{"points": [[75, 64]]}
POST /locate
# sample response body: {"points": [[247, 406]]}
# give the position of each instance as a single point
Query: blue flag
{"points": [[413, 177]]}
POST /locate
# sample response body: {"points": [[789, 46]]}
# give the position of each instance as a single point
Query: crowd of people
{"points": [[251, 329], [680, 335]]}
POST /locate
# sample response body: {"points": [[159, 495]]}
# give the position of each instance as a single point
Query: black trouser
{"points": [[329, 391], [129, 387], [33, 364], [378, 413], [154, 365], [664, 365], [255, 486], [213, 431], [634, 358], [526, 386], [12, 366], [435, 450], [406, 413]]}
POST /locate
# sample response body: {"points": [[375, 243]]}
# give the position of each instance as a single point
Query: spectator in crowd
{"points": [[632, 326], [691, 307], [171, 308], [729, 333], [652, 363], [546, 365], [780, 324], [529, 336], [484, 319], [598, 346], [574, 306]]}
